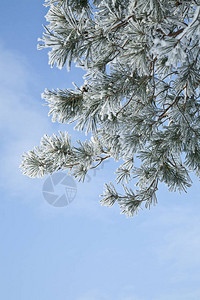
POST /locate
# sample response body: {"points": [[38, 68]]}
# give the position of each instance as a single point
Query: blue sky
{"points": [[83, 251]]}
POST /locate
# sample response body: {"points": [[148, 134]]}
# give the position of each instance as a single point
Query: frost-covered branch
{"points": [[140, 98]]}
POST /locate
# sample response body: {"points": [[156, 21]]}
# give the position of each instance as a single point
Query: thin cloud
{"points": [[21, 120]]}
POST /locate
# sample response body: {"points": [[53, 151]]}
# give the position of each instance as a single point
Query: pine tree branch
{"points": [[174, 102]]}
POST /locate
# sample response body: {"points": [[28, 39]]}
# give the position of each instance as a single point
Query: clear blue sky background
{"points": [[83, 251]]}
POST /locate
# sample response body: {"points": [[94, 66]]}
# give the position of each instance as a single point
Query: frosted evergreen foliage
{"points": [[140, 97]]}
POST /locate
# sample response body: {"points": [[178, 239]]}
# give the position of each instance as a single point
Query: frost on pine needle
{"points": [[139, 100]]}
